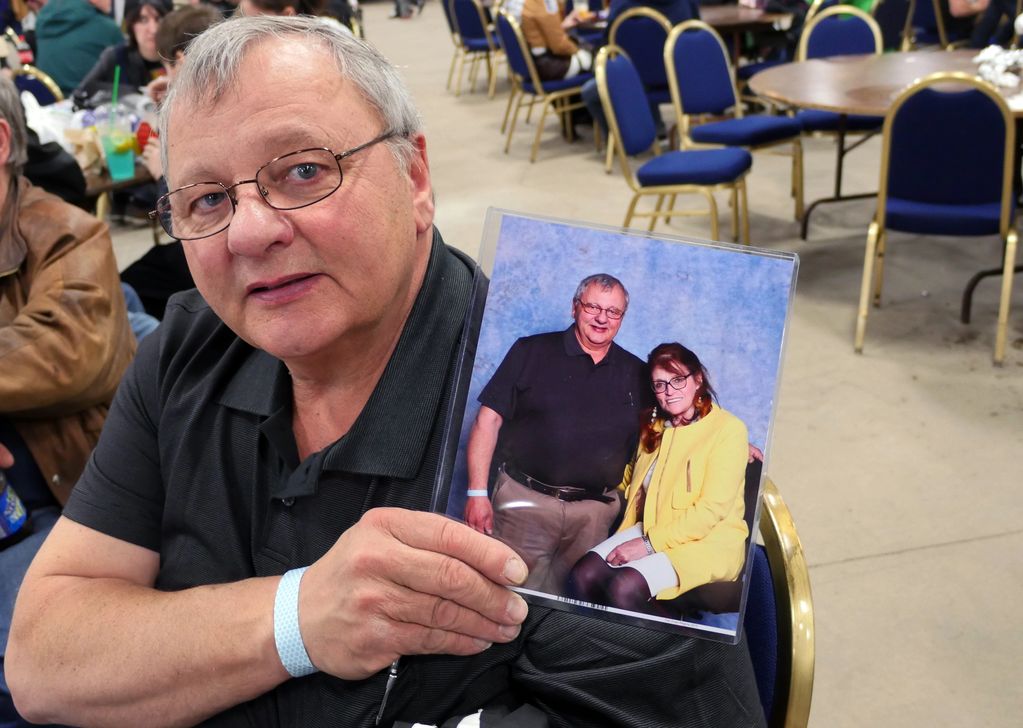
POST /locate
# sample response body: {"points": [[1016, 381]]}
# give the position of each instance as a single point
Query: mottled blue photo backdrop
{"points": [[727, 305]]}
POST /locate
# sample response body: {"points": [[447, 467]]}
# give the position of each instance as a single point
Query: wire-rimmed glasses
{"points": [[594, 310], [677, 383], [288, 182]]}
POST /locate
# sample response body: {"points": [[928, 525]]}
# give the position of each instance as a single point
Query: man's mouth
{"points": [[277, 283]]}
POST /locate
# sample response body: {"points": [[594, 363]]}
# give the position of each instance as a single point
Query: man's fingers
{"points": [[432, 612], [433, 532]]}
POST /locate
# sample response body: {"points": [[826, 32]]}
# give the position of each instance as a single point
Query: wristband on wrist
{"points": [[287, 635], [474, 493], [649, 546]]}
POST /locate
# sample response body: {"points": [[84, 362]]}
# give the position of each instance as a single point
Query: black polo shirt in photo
{"points": [[566, 420], [198, 462]]}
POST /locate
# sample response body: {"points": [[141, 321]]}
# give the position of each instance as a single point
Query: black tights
{"points": [[594, 580]]}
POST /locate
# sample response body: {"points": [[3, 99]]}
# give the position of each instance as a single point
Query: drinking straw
{"points": [[117, 83]]}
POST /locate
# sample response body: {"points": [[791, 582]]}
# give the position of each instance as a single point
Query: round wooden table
{"points": [[859, 84]]}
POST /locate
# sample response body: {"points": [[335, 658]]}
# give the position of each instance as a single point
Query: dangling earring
{"points": [[653, 415]]}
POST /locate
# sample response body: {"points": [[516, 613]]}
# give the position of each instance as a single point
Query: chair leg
{"points": [[539, 130], [657, 209], [631, 210], [458, 76], [491, 75], [797, 176], [882, 241], [1001, 331], [529, 111], [609, 154], [715, 230], [451, 71], [515, 117], [868, 274], [507, 109], [671, 209], [735, 213], [474, 70], [744, 213]]}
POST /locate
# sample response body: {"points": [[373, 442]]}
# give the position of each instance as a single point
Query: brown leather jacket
{"points": [[64, 334]]}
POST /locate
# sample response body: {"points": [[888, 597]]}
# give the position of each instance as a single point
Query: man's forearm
{"points": [[480, 452], [105, 651]]}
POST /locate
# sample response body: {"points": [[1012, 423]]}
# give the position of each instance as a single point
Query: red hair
{"points": [[675, 358]]}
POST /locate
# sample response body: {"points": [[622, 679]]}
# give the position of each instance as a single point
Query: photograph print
{"points": [[619, 417]]}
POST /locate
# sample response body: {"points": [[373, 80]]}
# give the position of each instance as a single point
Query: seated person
{"points": [[137, 57], [288, 8], [247, 544], [162, 271], [70, 36], [684, 501], [555, 55], [64, 344]]}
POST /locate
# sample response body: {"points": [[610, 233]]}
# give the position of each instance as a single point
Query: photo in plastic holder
{"points": [[728, 305]]}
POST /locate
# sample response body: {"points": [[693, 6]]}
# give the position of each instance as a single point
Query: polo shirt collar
{"points": [[574, 348], [261, 385]]}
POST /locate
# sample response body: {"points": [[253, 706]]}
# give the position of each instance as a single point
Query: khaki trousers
{"points": [[549, 534]]}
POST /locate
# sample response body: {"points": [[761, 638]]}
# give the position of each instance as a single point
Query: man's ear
{"points": [[422, 187], [5, 142]]}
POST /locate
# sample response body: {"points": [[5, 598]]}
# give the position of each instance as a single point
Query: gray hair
{"points": [[605, 281], [214, 58], [13, 113]]}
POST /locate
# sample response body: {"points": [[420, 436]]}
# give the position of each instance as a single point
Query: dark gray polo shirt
{"points": [[197, 461]]}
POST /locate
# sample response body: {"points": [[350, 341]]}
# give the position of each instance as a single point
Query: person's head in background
{"points": [[177, 31], [13, 138], [142, 21], [280, 7]]}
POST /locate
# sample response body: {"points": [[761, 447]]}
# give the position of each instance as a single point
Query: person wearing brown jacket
{"points": [[64, 344], [555, 55]]}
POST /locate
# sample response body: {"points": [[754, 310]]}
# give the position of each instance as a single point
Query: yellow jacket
{"points": [[694, 507]]}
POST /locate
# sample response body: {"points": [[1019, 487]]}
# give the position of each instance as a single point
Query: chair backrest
{"points": [[840, 31], [625, 104], [949, 139], [778, 620], [39, 84], [520, 60], [470, 22], [641, 33], [817, 6], [699, 73], [449, 17]]}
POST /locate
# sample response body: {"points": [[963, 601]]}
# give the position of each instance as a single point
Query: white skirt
{"points": [[656, 568]]}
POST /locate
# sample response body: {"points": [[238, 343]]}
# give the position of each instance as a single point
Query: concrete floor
{"points": [[897, 464]]}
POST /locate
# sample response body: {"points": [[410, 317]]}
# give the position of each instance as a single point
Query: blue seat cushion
{"points": [[931, 218], [814, 120], [560, 84], [748, 131], [475, 44], [695, 167], [745, 73]]}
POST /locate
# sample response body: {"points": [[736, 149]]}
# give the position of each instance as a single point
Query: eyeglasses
{"points": [[677, 383], [595, 310], [288, 182]]}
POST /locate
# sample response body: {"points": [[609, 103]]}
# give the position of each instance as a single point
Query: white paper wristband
{"points": [[472, 493], [287, 635]]}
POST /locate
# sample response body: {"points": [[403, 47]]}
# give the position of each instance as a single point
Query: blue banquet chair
{"points": [[925, 25], [840, 30], [641, 33], [475, 42], [667, 175], [39, 84], [556, 96], [778, 620], [946, 169], [703, 85]]}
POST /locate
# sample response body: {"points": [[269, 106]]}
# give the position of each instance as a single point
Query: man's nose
{"points": [[255, 227]]}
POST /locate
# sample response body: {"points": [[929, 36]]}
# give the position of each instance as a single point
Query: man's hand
{"points": [[6, 459], [479, 514], [631, 550], [405, 583], [755, 453]]}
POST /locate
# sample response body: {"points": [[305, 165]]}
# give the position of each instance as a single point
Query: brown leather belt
{"points": [[566, 493]]}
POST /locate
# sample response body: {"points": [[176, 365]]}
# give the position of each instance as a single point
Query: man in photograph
{"points": [[558, 422], [247, 544]]}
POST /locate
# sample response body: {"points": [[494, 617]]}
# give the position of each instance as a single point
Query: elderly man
{"points": [[64, 344], [243, 548], [562, 412]]}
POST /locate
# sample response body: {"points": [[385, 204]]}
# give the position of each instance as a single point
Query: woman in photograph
{"points": [[137, 57], [684, 500]]}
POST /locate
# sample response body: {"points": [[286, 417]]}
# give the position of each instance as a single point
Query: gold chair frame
{"points": [[685, 121], [794, 605], [557, 101], [818, 18], [489, 55], [43, 78], [612, 33], [737, 189], [870, 286], [909, 37]]}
